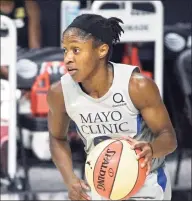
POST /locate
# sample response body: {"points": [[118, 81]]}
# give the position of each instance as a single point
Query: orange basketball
{"points": [[113, 171]]}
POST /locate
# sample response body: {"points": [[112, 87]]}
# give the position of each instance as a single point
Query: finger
{"points": [[78, 193], [84, 185], [84, 196], [141, 154], [145, 151], [138, 145], [148, 168], [130, 139], [144, 163], [74, 195]]}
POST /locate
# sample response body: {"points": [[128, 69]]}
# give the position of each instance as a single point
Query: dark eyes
{"points": [[64, 50], [75, 50]]}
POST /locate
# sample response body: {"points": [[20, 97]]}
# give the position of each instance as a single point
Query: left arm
{"points": [[146, 98], [34, 27]]}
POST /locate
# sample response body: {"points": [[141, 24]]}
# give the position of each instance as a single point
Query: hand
{"points": [[146, 152], [77, 190]]}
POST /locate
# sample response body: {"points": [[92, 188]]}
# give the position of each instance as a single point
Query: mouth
{"points": [[72, 71]]}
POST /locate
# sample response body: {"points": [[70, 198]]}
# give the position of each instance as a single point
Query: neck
{"points": [[99, 82]]}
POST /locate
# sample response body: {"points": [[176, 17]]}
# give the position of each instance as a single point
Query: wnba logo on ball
{"points": [[104, 168]]}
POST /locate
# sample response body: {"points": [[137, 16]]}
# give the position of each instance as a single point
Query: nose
{"points": [[68, 57]]}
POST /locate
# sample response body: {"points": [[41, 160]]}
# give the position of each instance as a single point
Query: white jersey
{"points": [[112, 115]]}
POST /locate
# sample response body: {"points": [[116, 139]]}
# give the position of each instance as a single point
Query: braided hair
{"points": [[116, 28], [98, 28]]}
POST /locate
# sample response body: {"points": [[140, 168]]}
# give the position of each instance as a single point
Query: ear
{"points": [[103, 50]]}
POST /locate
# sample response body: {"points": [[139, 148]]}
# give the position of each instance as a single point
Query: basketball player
{"points": [[107, 100]]}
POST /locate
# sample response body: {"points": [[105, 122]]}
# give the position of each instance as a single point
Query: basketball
{"points": [[112, 170]]}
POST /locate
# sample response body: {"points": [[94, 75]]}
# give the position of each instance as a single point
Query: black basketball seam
{"points": [[135, 180], [95, 165], [117, 169]]}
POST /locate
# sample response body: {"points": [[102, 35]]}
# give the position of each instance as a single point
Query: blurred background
{"points": [[157, 38]]}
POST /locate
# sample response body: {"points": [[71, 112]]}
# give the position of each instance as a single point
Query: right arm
{"points": [[58, 124]]}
